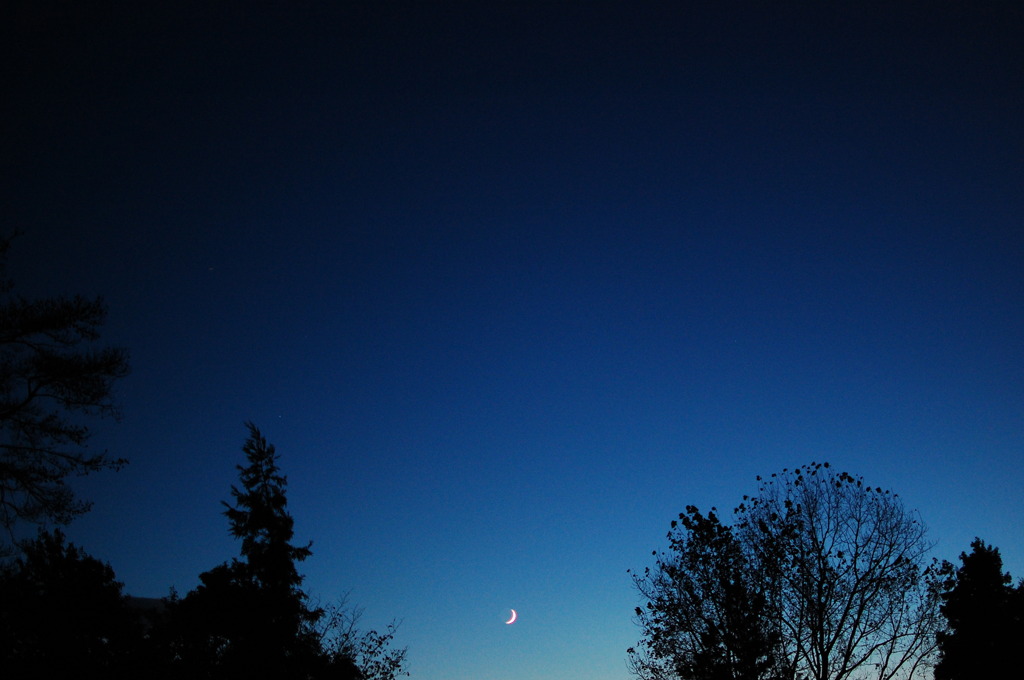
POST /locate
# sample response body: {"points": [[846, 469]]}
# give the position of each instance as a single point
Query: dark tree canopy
{"points": [[51, 377], [984, 615], [62, 615], [702, 619], [820, 577]]}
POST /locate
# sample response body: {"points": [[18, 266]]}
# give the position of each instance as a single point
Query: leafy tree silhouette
{"points": [[985, 617], [352, 654], [702, 619], [62, 614], [49, 378]]}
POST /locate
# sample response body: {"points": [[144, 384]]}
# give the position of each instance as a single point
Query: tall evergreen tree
{"points": [[984, 616], [260, 519], [250, 617]]}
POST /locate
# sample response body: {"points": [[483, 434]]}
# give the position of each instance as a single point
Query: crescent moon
{"points": [[513, 619]]}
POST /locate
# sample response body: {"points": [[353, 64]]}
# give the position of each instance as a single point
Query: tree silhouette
{"points": [[260, 519], [352, 654], [62, 614], [49, 380], [832, 570], [702, 619], [250, 617], [845, 573], [985, 617]]}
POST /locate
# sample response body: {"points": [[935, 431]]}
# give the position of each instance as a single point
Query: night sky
{"points": [[509, 285]]}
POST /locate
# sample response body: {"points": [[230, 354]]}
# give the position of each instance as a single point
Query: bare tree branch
{"points": [[836, 570]]}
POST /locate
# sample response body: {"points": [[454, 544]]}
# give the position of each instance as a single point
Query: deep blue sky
{"points": [[509, 287]]}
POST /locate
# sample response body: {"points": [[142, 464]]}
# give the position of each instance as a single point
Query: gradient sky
{"points": [[509, 286]]}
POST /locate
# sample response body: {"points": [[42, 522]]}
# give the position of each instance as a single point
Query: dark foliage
{"points": [[352, 653], [985, 617], [702, 620], [820, 577], [250, 618], [50, 378], [62, 615], [260, 519]]}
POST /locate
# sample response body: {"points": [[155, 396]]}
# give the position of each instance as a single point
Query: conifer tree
{"points": [[250, 616], [984, 614], [51, 376], [260, 519]]}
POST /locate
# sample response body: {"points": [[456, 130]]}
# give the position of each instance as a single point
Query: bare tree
{"points": [[354, 653], [845, 572], [838, 569]]}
